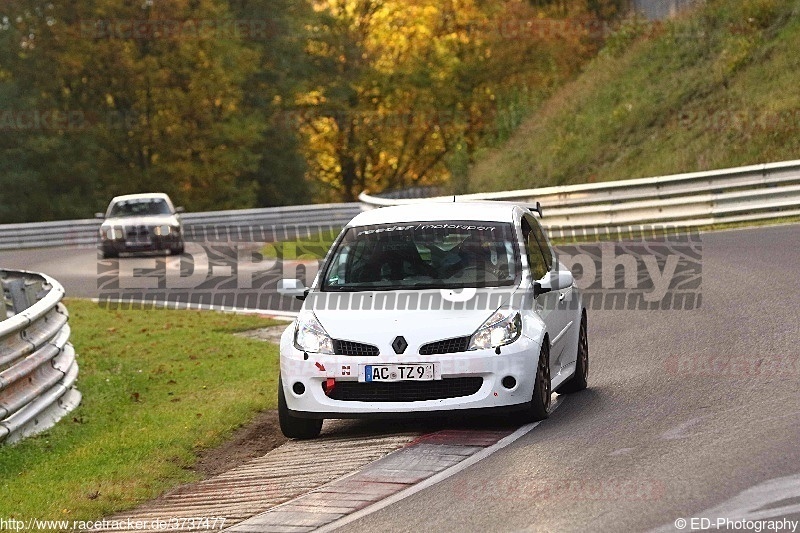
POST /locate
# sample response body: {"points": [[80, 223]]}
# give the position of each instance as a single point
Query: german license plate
{"points": [[404, 372]]}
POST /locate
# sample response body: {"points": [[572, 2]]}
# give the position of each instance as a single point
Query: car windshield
{"points": [[423, 255], [140, 207]]}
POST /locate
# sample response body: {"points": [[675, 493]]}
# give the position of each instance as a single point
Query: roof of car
{"points": [[429, 211], [141, 196]]}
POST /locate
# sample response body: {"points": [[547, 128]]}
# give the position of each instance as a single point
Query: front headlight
{"points": [[310, 336], [503, 327], [166, 231], [110, 234]]}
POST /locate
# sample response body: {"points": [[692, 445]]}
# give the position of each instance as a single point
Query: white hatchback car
{"points": [[428, 309]]}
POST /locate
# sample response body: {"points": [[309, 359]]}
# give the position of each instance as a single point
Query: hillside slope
{"points": [[718, 88]]}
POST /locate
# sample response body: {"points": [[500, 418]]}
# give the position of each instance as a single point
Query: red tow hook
{"points": [[330, 383]]}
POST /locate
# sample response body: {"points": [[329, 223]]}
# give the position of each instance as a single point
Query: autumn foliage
{"points": [[235, 103]]}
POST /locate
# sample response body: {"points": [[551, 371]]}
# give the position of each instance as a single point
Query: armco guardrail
{"points": [[37, 363], [744, 194], [271, 223]]}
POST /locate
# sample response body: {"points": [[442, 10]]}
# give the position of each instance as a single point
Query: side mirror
{"points": [[180, 209], [101, 216], [292, 287], [553, 281]]}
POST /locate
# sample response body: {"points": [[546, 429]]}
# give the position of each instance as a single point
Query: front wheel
{"points": [[540, 401], [294, 427], [580, 379]]}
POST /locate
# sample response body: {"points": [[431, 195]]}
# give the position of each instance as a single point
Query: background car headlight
{"points": [[310, 336], [503, 327], [165, 230], [111, 234]]}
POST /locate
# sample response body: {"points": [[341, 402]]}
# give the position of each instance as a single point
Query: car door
{"points": [[553, 305]]}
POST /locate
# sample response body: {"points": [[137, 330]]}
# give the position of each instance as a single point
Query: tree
{"points": [[403, 84], [241, 103], [159, 89], [283, 70]]}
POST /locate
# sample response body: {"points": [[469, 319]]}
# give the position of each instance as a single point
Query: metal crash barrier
{"points": [[38, 368], [277, 223], [735, 195]]}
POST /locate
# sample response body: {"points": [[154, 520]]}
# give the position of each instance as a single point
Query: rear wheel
{"points": [[580, 379], [294, 427], [540, 401], [109, 254], [177, 250]]}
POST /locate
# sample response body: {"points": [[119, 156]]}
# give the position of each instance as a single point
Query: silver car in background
{"points": [[141, 223]]}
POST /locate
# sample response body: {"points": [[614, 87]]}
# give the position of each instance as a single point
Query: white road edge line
{"points": [[198, 307], [436, 478]]}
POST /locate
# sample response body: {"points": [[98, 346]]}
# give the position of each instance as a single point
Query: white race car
{"points": [[428, 309]]}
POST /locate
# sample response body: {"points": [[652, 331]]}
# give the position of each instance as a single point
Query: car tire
{"points": [[540, 401], [580, 380], [178, 250], [294, 427], [109, 254]]}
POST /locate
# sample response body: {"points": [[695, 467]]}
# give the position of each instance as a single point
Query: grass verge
{"points": [[159, 386], [714, 89], [314, 246]]}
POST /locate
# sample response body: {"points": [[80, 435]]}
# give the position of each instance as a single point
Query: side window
{"points": [[536, 259], [542, 240], [338, 267]]}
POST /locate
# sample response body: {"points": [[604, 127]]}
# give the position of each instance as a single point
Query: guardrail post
{"points": [[32, 289], [19, 296]]}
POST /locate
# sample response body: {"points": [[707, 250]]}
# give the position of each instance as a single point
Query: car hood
{"points": [[153, 220], [420, 316]]}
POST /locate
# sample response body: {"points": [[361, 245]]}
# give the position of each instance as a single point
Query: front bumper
{"points": [[517, 360], [152, 244]]}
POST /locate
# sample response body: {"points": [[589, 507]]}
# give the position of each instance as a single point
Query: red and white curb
{"points": [[424, 462], [292, 469], [321, 484]]}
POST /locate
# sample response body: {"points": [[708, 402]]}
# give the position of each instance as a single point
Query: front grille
{"points": [[354, 348], [459, 344], [138, 233], [405, 391]]}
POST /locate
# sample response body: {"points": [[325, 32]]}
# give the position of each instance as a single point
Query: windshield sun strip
{"points": [[507, 227]]}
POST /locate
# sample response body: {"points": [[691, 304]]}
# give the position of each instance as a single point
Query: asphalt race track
{"points": [[690, 413]]}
